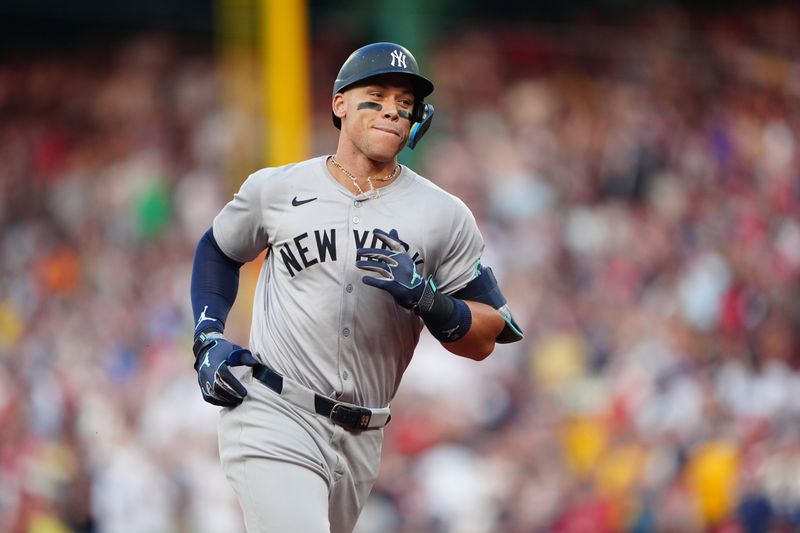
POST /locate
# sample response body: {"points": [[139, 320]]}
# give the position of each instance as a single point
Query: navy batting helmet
{"points": [[383, 58]]}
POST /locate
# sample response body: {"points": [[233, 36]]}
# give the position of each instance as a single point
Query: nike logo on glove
{"points": [[296, 202]]}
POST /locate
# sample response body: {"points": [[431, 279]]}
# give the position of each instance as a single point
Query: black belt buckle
{"points": [[350, 417]]}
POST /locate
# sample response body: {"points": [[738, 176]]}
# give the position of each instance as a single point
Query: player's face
{"points": [[377, 116]]}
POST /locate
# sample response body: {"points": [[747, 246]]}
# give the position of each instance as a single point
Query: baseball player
{"points": [[363, 253]]}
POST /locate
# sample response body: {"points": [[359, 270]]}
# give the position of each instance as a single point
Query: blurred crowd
{"points": [[637, 186]]}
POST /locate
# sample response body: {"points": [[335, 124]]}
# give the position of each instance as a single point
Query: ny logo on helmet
{"points": [[400, 57]]}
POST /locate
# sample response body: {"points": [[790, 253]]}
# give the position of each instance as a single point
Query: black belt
{"points": [[349, 416]]}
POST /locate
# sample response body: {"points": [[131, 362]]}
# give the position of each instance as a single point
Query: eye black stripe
{"points": [[370, 105]]}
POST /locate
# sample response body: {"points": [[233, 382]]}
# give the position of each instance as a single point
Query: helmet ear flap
{"points": [[418, 113], [419, 127]]}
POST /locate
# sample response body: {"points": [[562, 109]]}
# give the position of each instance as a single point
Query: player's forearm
{"points": [[479, 341], [214, 284]]}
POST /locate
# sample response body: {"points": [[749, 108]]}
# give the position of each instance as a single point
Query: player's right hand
{"points": [[214, 355]]}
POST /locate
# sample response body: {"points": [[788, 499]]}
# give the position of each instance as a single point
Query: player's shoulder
{"points": [[428, 192], [284, 173], [270, 182]]}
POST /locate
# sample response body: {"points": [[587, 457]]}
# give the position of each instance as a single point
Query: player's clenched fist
{"points": [[214, 354]]}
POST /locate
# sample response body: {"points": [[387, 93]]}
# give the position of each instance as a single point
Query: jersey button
{"points": [[345, 375], [356, 220], [346, 332], [357, 203], [349, 287]]}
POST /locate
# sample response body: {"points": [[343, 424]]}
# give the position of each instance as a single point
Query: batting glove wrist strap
{"points": [[447, 318], [455, 326], [203, 339], [433, 305]]}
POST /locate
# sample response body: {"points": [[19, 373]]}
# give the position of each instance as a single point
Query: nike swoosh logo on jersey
{"points": [[296, 202]]}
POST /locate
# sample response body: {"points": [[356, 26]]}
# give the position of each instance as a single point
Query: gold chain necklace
{"points": [[372, 188]]}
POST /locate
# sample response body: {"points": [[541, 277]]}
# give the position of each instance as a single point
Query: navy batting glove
{"points": [[214, 355], [397, 273]]}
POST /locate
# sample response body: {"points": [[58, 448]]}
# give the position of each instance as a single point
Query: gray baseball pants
{"points": [[292, 470]]}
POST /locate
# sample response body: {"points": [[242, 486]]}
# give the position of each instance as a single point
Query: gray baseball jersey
{"points": [[314, 321]]}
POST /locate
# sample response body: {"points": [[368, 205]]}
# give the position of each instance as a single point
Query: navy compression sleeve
{"points": [[215, 282]]}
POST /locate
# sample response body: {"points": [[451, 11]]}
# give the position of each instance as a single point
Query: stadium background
{"points": [[633, 166]]}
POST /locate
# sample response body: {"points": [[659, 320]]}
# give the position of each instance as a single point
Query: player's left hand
{"points": [[214, 356], [397, 273]]}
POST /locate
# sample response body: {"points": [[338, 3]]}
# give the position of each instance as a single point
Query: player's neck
{"points": [[360, 174], [362, 166]]}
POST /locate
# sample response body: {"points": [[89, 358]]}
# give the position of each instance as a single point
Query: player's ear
{"points": [[338, 105]]}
